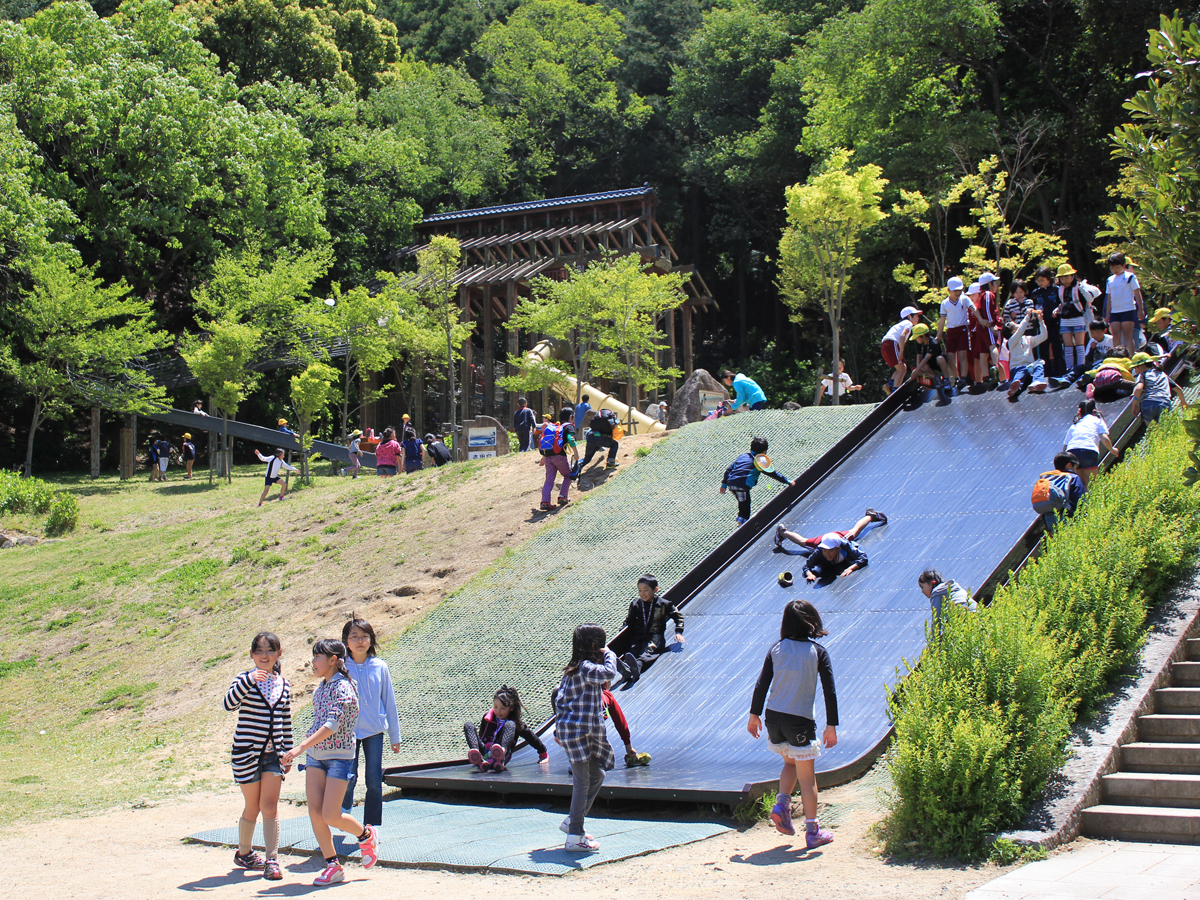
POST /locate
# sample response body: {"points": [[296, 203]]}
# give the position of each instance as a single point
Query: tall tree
{"points": [[826, 219], [550, 72], [72, 340], [312, 392], [437, 265]]}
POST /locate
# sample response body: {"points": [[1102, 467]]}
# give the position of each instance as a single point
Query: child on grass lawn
{"points": [[275, 465], [742, 475], [330, 746], [579, 727], [355, 452], [558, 440], [794, 664], [263, 699], [491, 744], [376, 712]]}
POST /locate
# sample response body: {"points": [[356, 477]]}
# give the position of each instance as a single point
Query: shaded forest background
{"points": [[151, 137]]}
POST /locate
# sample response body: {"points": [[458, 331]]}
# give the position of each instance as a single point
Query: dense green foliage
{"points": [[32, 496], [147, 140], [982, 722]]}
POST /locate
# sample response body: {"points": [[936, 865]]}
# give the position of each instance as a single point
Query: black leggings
{"points": [[595, 445], [506, 738], [742, 495]]}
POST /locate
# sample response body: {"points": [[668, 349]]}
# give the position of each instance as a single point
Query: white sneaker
{"points": [[779, 530], [565, 828], [581, 843]]}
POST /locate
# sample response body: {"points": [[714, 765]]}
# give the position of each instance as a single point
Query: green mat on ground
{"points": [[503, 839]]}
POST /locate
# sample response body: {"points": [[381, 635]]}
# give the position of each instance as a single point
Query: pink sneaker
{"points": [[369, 848], [815, 836], [331, 874], [497, 758], [475, 758]]}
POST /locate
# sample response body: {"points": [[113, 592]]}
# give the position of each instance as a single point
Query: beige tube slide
{"points": [[642, 423]]}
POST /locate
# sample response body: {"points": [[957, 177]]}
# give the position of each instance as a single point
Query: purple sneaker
{"points": [[781, 816], [815, 836]]}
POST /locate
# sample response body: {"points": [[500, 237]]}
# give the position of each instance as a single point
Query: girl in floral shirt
{"points": [[330, 746]]}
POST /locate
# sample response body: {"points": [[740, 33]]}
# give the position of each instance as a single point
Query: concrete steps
{"points": [[1155, 794]]}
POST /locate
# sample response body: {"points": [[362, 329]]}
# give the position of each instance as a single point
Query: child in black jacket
{"points": [[646, 622]]}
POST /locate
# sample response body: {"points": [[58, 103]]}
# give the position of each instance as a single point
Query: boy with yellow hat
{"points": [[930, 353], [188, 452], [1152, 388]]}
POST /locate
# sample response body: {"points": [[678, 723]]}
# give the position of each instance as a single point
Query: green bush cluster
{"points": [[32, 496], [982, 722]]}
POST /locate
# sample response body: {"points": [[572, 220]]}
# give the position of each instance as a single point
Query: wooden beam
{"points": [[511, 338], [687, 341], [489, 355], [95, 442], [671, 357], [464, 379]]}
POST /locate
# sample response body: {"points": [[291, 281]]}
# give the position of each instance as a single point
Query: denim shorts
{"points": [[268, 764], [1088, 459], [383, 469], [1152, 409], [339, 769], [1072, 326]]}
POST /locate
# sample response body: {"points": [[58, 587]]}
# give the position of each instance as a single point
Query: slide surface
{"points": [[256, 434], [954, 480]]}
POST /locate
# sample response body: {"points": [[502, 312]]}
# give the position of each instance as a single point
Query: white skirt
{"points": [[789, 751]]}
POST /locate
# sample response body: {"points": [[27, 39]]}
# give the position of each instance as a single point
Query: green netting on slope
{"points": [[512, 623]]}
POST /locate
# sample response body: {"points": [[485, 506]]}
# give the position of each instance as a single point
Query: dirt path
{"points": [[140, 853]]}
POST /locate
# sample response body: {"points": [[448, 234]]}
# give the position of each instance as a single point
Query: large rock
{"points": [[686, 405]]}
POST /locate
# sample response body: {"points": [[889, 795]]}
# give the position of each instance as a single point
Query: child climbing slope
{"points": [[794, 664], [742, 475]]}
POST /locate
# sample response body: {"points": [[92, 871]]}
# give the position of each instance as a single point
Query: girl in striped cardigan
{"points": [[263, 699]]}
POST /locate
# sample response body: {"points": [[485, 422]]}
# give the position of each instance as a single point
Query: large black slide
{"points": [[954, 478], [256, 434]]}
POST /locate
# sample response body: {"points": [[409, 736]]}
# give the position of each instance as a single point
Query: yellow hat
{"points": [[186, 436], [356, 433], [406, 417], [1141, 359], [1163, 312], [1065, 269], [281, 422], [920, 329]]}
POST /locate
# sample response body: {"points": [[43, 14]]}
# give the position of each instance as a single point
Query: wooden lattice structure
{"points": [[506, 247]]}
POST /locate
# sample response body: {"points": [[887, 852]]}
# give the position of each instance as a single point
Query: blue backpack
{"points": [[552, 441]]}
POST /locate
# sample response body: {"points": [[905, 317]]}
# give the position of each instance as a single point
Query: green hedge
{"points": [[35, 497], [983, 721]]}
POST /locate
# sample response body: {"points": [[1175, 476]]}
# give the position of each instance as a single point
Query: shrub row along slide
{"points": [[983, 720], [32, 496]]}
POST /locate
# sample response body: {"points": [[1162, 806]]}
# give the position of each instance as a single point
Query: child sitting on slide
{"points": [[835, 554], [491, 744]]}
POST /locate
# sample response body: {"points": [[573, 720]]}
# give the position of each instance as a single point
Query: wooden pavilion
{"points": [[506, 247]]}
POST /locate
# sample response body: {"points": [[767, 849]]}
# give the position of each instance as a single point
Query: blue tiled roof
{"points": [[538, 204]]}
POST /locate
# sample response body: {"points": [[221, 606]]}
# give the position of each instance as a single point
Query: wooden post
{"points": [[134, 438], [687, 341], [512, 342], [464, 380], [126, 465], [95, 442], [671, 358], [489, 354]]}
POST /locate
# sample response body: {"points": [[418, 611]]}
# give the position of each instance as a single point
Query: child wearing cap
{"points": [[188, 452], [954, 314], [845, 383], [742, 475], [1123, 303], [1072, 312], [1152, 388], [892, 346], [1025, 371], [1161, 343], [984, 332], [834, 554], [929, 354]]}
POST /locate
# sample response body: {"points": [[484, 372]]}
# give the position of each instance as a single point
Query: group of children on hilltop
{"points": [[1049, 333]]}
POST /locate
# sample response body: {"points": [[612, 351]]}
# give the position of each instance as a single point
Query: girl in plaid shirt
{"points": [[579, 727]]}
